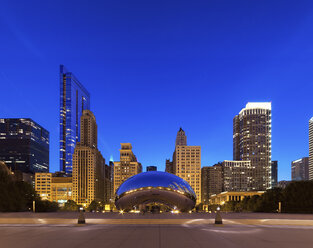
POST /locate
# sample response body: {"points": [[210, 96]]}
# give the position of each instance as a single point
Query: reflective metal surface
{"points": [[155, 179], [155, 187]]}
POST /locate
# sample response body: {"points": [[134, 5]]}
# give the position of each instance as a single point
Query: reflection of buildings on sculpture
{"points": [[157, 188], [224, 197]]}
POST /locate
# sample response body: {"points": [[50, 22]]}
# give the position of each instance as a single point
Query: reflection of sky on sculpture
{"points": [[155, 179]]}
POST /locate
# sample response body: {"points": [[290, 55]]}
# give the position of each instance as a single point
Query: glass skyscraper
{"points": [[74, 98], [24, 145]]}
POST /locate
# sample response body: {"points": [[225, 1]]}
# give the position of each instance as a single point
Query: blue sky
{"points": [[153, 66]]}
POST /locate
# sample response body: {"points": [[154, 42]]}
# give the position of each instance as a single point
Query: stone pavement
{"points": [[57, 230], [155, 236]]}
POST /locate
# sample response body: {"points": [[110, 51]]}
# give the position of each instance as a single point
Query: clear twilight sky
{"points": [[154, 66]]}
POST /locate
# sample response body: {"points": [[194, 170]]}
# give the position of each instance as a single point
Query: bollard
{"points": [[218, 217], [81, 217]]}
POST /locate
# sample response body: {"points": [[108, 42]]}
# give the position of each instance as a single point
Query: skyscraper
{"points": [[274, 173], [169, 166], [252, 141], [24, 145], [74, 98], [187, 165], [237, 176], [127, 166], [88, 164], [181, 139], [311, 149], [300, 169], [211, 181]]}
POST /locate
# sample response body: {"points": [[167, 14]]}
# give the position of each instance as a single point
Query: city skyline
{"points": [[210, 82]]}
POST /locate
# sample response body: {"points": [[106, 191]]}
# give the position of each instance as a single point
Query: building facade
{"points": [[211, 181], [128, 166], [74, 99], [53, 188], [311, 149], [300, 169], [252, 141], [181, 138], [169, 166], [88, 164], [274, 173], [24, 145], [237, 176], [283, 184], [187, 165], [108, 185], [222, 198]]}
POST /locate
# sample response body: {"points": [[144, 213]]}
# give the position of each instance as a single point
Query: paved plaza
{"points": [[45, 230]]}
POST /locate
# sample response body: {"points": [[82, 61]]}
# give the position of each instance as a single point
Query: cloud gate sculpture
{"points": [[155, 187]]}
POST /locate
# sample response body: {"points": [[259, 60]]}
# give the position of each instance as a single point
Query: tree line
{"points": [[297, 197], [17, 196]]}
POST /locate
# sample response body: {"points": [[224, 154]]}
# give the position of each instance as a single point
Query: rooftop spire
{"points": [[181, 139]]}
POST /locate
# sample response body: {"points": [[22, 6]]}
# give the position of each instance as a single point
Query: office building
{"points": [[187, 165], [237, 176], [169, 166], [53, 187], [74, 99], [88, 164], [112, 193], [181, 138], [222, 198], [252, 141], [128, 165], [283, 184], [108, 198], [300, 169], [274, 173], [211, 181], [311, 149], [151, 168], [24, 145]]}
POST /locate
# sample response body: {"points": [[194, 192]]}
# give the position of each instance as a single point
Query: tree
{"points": [[298, 197], [70, 205], [46, 206], [94, 206], [269, 200]]}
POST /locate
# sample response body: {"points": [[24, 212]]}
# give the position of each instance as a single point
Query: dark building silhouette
{"points": [[274, 168], [152, 168], [24, 145], [169, 166]]}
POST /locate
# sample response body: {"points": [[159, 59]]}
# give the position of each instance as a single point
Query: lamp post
{"points": [[81, 216], [218, 217]]}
